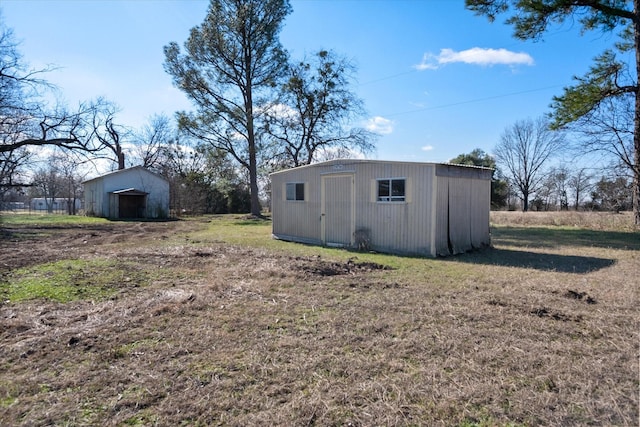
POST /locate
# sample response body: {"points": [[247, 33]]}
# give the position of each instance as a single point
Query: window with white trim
{"points": [[295, 191], [391, 190]]}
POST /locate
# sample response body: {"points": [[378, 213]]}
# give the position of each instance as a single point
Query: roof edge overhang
{"points": [[344, 162], [129, 192], [120, 171]]}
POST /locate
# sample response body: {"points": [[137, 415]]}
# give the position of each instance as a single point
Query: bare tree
{"points": [[70, 179], [560, 176], [579, 184], [315, 116], [48, 183], [109, 135], [153, 140], [523, 150]]}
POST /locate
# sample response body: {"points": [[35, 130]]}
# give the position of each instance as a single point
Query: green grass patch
{"points": [[7, 401], [71, 280], [40, 220]]}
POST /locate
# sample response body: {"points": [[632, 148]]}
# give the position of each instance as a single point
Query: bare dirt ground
{"points": [[208, 333]]}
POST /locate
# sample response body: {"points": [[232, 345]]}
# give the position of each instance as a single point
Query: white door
{"points": [[338, 219]]}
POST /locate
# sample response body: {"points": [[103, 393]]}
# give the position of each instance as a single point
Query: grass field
{"points": [[209, 321]]}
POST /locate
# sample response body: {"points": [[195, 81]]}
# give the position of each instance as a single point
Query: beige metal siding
{"points": [[480, 206], [445, 210], [459, 215], [294, 219], [463, 203], [399, 227], [442, 217]]}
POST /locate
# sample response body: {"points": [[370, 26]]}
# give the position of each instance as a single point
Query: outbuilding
{"points": [[426, 209], [126, 194]]}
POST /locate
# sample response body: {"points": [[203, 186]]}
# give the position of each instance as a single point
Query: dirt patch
{"points": [[581, 296], [317, 267], [26, 246], [555, 315]]}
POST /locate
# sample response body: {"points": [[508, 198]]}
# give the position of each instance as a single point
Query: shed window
{"points": [[295, 191], [391, 190]]}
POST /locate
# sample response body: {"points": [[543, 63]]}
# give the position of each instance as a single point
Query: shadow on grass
{"points": [[534, 260], [543, 237]]}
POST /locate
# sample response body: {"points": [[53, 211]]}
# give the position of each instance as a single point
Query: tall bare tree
{"points": [[153, 140], [109, 135], [315, 116], [230, 62], [579, 184], [589, 103], [523, 151]]}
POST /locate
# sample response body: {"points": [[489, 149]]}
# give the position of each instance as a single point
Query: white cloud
{"points": [[474, 56], [281, 111], [379, 125], [427, 148]]}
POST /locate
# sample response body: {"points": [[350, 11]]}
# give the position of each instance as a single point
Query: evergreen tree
{"points": [[230, 62]]}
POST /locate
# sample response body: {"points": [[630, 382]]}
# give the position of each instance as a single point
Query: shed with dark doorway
{"points": [[129, 203], [426, 209], [127, 194]]}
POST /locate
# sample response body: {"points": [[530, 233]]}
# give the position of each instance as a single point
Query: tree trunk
{"points": [[256, 211], [253, 177], [636, 127], [120, 159]]}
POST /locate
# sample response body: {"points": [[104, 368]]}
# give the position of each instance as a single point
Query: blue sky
{"points": [[436, 80]]}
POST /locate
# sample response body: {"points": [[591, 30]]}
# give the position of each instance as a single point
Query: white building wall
{"points": [[97, 191], [94, 199]]}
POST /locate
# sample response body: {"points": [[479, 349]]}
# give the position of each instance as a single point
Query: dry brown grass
{"points": [[540, 330], [587, 220]]}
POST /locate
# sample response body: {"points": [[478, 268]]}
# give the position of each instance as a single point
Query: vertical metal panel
{"points": [[459, 215], [433, 208], [91, 201], [480, 206], [442, 217]]}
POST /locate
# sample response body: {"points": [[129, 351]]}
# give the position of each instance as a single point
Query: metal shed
{"points": [[427, 209], [128, 193]]}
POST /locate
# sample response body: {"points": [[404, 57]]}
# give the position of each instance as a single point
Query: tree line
{"points": [[256, 110], [559, 185], [599, 113]]}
